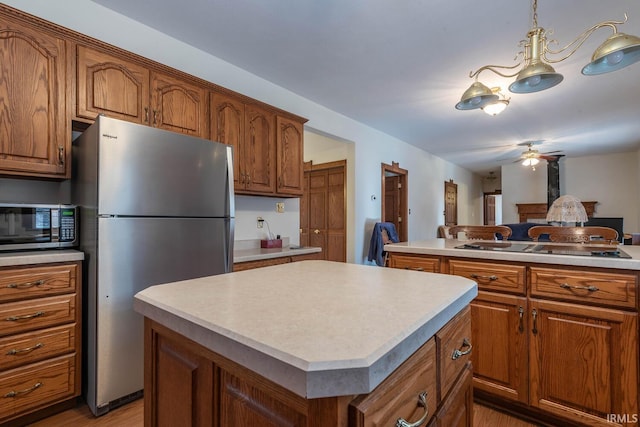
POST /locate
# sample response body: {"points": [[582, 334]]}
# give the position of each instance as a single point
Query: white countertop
{"points": [[8, 259], [318, 328], [446, 247], [254, 254]]}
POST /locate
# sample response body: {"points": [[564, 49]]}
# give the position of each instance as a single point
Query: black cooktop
{"points": [[544, 248]]}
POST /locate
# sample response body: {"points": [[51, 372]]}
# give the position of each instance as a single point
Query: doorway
{"points": [[323, 210], [395, 204], [493, 208], [450, 203]]}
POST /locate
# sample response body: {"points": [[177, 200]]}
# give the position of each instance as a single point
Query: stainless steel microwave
{"points": [[37, 226]]}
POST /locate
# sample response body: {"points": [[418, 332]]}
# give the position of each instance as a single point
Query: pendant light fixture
{"points": [[534, 73]]}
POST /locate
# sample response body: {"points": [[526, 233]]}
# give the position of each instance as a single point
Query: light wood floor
{"points": [[131, 415]]}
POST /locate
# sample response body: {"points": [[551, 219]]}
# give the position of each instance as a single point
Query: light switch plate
{"points": [[280, 207]]}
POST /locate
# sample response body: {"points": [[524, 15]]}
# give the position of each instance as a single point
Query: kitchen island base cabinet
{"points": [[188, 384]]}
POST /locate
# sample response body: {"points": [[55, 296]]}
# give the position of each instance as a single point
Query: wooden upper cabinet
{"points": [[178, 106], [123, 89], [259, 151], [227, 127], [34, 137], [112, 86], [290, 160]]}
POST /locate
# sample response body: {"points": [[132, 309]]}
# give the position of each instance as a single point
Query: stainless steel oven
{"points": [[37, 226]]}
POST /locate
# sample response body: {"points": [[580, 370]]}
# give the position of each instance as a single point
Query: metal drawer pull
{"points": [[24, 350], [18, 393], [478, 276], [521, 321], [414, 268], [590, 288], [457, 353], [26, 316], [422, 401], [25, 285]]}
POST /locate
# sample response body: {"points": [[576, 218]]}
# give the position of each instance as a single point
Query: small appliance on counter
{"points": [[37, 226]]}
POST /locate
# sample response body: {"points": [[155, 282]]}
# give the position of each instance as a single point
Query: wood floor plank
{"points": [[132, 415]]}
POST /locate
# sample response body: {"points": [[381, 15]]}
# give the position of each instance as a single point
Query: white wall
{"points": [[611, 180], [427, 173]]}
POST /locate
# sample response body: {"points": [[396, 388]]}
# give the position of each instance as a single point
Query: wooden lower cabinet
{"points": [[583, 361], [500, 356], [558, 343], [187, 384], [248, 265]]}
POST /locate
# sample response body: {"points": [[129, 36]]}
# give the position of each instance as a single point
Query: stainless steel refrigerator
{"points": [[155, 207]]}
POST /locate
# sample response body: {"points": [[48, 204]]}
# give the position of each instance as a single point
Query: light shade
{"points": [[567, 209], [477, 96], [530, 161], [617, 51], [495, 108], [535, 77]]}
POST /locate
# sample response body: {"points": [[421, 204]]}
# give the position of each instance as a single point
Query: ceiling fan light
{"points": [[618, 51], [477, 96], [530, 161], [535, 77]]}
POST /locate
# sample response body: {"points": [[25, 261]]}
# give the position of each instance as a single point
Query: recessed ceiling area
{"points": [[401, 67]]}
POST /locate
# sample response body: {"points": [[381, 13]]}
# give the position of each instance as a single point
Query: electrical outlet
{"points": [[280, 207], [260, 222]]}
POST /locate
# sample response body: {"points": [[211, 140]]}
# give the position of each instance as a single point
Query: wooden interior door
{"points": [[395, 201], [323, 209], [450, 203]]}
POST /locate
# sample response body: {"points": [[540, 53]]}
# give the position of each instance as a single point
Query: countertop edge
{"points": [[245, 255], [10, 259]]}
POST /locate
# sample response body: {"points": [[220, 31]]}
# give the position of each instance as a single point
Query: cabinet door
{"points": [[35, 138], [178, 106], [583, 361], [178, 384], [499, 335], [227, 126], [290, 160], [457, 411], [112, 86], [259, 149]]}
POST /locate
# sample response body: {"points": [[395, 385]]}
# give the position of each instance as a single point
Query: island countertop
{"points": [[447, 247], [318, 328]]}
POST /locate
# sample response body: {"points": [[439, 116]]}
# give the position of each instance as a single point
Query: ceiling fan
{"points": [[531, 157]]}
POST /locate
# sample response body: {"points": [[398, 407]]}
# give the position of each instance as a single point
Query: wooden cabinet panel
{"points": [[259, 153], [491, 276], [36, 138], [112, 86], [290, 159], [457, 411], [30, 347], [414, 262], [398, 396], [38, 385], [227, 127], [454, 350], [499, 335], [28, 315], [584, 361], [32, 282], [585, 287], [183, 392], [178, 106]]}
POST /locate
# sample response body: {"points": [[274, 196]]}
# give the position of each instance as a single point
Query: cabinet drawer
{"points": [[32, 282], [397, 396], [415, 262], [36, 386], [22, 349], [491, 276], [454, 349], [16, 317], [584, 286]]}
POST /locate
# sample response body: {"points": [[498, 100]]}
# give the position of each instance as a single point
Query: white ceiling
{"points": [[400, 66]]}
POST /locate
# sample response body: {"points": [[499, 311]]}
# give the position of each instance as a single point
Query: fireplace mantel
{"points": [[529, 211]]}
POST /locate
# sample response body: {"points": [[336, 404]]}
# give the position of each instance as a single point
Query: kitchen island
{"points": [[312, 343], [555, 326]]}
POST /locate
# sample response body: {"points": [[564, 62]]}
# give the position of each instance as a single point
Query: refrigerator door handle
{"points": [[229, 231], [230, 195]]}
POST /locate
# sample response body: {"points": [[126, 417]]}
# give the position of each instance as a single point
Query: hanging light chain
{"points": [[535, 14]]}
